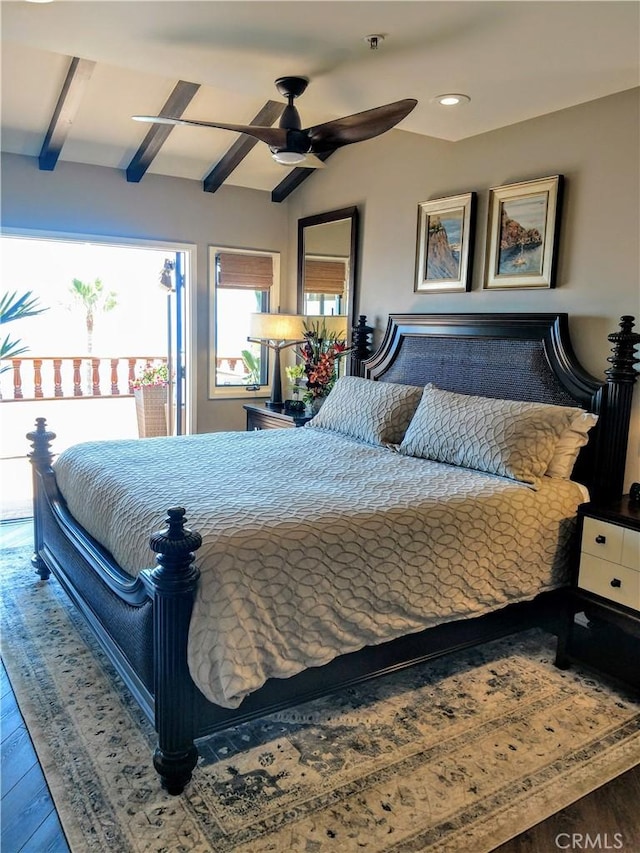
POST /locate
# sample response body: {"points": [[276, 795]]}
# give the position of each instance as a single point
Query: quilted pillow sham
{"points": [[374, 412], [505, 437]]}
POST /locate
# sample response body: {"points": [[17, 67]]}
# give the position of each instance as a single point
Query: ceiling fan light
{"points": [[288, 158]]}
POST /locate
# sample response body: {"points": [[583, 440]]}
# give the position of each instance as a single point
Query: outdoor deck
{"points": [[56, 389], [73, 420]]}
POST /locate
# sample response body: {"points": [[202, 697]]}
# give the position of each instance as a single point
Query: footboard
{"points": [[141, 623]]}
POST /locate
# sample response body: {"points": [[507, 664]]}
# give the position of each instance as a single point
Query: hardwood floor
{"points": [[29, 819], [30, 823]]}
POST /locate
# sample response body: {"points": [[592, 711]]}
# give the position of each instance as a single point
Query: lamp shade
{"points": [[337, 324], [277, 327]]}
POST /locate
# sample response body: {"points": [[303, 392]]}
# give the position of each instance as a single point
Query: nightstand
{"points": [[602, 626], [259, 417]]}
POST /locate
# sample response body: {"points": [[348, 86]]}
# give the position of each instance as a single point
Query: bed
{"points": [[401, 557]]}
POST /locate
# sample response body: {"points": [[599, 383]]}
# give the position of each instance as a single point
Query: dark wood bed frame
{"points": [[142, 623]]}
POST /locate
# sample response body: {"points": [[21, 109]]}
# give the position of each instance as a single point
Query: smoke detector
{"points": [[374, 40]]}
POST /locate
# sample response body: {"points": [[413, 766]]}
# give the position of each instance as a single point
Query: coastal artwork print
{"points": [[444, 240], [523, 230]]}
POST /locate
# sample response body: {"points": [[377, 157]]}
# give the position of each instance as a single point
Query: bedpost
{"points": [[616, 410], [41, 459], [173, 583], [361, 342]]}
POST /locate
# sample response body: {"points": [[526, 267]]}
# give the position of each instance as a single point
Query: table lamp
{"points": [[276, 331]]}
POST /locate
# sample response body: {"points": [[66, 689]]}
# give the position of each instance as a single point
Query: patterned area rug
{"points": [[458, 755]]}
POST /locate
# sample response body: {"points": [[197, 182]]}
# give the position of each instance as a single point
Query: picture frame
{"points": [[445, 244], [522, 234]]}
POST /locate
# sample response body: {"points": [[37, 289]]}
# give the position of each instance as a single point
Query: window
{"points": [[325, 284], [243, 282]]}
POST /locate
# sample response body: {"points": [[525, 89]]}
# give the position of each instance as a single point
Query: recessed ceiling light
{"points": [[38, 1], [451, 100]]}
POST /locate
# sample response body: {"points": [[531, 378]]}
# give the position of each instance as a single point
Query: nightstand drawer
{"points": [[614, 582], [602, 539], [631, 549]]}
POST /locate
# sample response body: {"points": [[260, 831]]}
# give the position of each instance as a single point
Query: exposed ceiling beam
{"points": [[271, 111], [176, 104], [295, 178], [78, 75]]}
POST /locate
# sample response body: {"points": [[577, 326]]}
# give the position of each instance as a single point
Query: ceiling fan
{"points": [[293, 145]]}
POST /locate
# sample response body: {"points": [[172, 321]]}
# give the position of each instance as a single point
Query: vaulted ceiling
{"points": [[75, 71]]}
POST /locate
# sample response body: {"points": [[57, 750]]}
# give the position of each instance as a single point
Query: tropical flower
{"points": [[319, 353]]}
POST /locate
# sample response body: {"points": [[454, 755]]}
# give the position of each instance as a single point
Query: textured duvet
{"points": [[315, 544]]}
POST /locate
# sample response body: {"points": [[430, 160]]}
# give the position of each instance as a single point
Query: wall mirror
{"points": [[327, 264]]}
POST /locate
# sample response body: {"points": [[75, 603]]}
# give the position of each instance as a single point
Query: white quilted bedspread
{"points": [[315, 544]]}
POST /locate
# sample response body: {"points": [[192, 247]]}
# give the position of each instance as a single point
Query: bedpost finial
{"points": [[623, 358], [175, 545], [361, 344], [41, 439], [176, 519]]}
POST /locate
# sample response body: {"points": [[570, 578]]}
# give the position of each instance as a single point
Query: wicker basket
{"points": [[151, 410]]}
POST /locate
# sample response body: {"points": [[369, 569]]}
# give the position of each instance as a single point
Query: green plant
{"points": [[93, 298], [14, 307], [294, 374], [252, 366]]}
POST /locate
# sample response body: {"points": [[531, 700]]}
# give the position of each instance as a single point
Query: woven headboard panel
{"points": [[519, 357], [507, 369]]}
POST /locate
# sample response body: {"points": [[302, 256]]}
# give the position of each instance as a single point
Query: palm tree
{"points": [[93, 298], [14, 307]]}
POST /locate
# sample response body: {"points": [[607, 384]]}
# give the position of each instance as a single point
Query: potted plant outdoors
{"points": [[150, 393]]}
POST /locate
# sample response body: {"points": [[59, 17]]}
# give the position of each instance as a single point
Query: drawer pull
{"points": [[616, 582], [600, 539]]}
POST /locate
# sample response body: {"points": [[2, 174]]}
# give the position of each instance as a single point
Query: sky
{"points": [[136, 326]]}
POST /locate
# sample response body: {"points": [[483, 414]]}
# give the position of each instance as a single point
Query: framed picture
{"points": [[523, 231], [444, 251]]}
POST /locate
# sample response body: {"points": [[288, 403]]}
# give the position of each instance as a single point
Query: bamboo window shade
{"points": [[245, 272], [324, 276]]}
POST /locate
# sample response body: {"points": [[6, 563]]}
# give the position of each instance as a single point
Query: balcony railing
{"points": [[71, 377], [86, 377]]}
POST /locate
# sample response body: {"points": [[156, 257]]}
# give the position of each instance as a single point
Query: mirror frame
{"points": [[350, 213]]}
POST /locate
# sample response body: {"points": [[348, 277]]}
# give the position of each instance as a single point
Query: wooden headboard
{"points": [[520, 357]]}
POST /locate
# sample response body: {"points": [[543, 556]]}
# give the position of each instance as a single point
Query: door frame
{"points": [[189, 309]]}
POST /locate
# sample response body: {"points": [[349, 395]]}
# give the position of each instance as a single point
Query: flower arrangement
{"points": [[156, 374], [319, 353]]}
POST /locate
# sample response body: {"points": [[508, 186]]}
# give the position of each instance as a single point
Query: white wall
{"points": [[93, 200], [595, 146]]}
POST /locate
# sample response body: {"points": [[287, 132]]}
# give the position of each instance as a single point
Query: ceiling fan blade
{"points": [[360, 126], [275, 136]]}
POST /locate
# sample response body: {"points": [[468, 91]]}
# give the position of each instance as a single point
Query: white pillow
{"points": [[509, 438], [375, 412], [567, 449]]}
